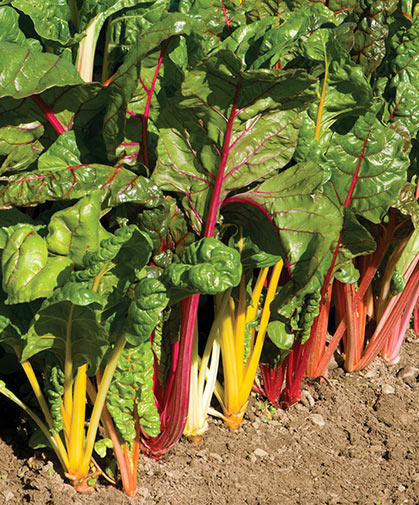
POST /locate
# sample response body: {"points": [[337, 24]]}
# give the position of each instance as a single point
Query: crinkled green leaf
{"points": [[50, 18], [132, 390], [19, 146], [279, 41], [144, 313], [11, 32], [125, 27], [346, 90], [404, 85], [117, 184], [9, 221], [208, 267], [368, 165], [77, 229], [125, 81], [372, 31], [25, 72], [28, 271]]}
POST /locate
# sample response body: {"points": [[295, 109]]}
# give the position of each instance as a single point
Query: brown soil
{"points": [[352, 440]]}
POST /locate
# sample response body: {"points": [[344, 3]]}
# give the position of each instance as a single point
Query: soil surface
{"points": [[351, 440]]}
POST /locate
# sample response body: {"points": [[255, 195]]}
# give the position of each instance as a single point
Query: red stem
{"points": [[215, 198], [175, 413], [149, 92], [301, 352], [50, 116]]}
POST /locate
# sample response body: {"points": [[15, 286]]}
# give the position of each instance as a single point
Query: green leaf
{"points": [[368, 168], [372, 30], [132, 389], [62, 319], [403, 87], [343, 86], [28, 271], [10, 31], [244, 124], [307, 222], [208, 267], [118, 186], [125, 80], [50, 18], [20, 146], [77, 229], [253, 235], [277, 347], [26, 72], [144, 313]]}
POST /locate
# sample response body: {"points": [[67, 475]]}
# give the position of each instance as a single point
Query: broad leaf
{"points": [[368, 168], [26, 72], [28, 271], [77, 229], [307, 222], [118, 186], [69, 318], [232, 126], [50, 18]]}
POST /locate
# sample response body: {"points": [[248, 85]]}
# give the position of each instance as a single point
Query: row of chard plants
{"points": [[185, 184]]}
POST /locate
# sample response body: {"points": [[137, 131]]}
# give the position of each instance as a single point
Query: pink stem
{"points": [[149, 92], [50, 116]]}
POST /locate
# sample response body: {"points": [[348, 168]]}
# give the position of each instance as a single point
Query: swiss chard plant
{"points": [[157, 160]]}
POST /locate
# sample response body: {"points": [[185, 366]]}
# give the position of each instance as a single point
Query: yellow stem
{"points": [[257, 291], [251, 367], [76, 439], [59, 446], [68, 367], [240, 329], [100, 402], [99, 276], [321, 104]]}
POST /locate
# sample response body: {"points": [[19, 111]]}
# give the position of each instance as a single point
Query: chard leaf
{"points": [[26, 72], [50, 18], [124, 29], [62, 318], [10, 31], [208, 267], [368, 168], [144, 313], [404, 86], [77, 229], [20, 146], [118, 186], [130, 394], [281, 39], [125, 80], [372, 31], [253, 235], [28, 271], [343, 88], [308, 224], [233, 126], [278, 344]]}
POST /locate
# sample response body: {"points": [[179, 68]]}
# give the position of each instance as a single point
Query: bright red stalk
{"points": [[300, 352], [175, 403], [50, 116], [149, 91]]}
